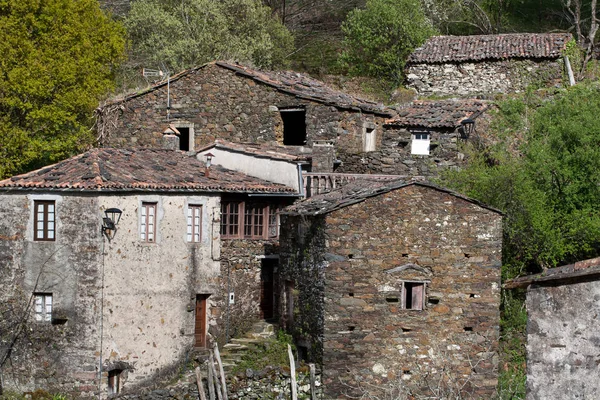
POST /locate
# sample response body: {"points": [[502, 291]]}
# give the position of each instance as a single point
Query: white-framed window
{"points": [[420, 143], [369, 139], [44, 212], [42, 307], [148, 222], [413, 295], [194, 223]]}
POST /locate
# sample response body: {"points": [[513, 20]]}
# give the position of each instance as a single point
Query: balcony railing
{"points": [[317, 183]]}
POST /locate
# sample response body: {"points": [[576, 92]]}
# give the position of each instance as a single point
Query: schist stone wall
{"points": [[359, 258], [218, 103], [482, 78], [563, 340], [392, 155]]}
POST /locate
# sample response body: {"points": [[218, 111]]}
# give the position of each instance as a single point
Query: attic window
{"points": [[413, 295], [420, 143], [294, 126]]}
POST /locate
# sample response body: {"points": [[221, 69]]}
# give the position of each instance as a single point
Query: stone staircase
{"points": [[233, 352]]}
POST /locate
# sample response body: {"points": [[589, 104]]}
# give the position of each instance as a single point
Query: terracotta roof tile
{"points": [[266, 150], [110, 169], [439, 49], [289, 82], [437, 113], [358, 191]]}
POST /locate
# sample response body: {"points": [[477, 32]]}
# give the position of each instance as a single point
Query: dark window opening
{"points": [[350, 256], [406, 330], [184, 138], [392, 299], [404, 254], [294, 126], [468, 329], [467, 255], [114, 381], [351, 328], [413, 295], [302, 353], [433, 300], [351, 294], [472, 295], [406, 372]]}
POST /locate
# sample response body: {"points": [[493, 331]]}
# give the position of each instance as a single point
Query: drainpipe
{"points": [[300, 181], [101, 322]]}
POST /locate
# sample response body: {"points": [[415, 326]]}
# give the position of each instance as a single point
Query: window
{"points": [[260, 221], [44, 217], [413, 295], [42, 306], [186, 135], [114, 381], [369, 139], [420, 144], [294, 126], [194, 223], [148, 222]]}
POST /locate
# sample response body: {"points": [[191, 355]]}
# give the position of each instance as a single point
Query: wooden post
{"points": [[221, 371], [201, 391], [215, 378], [313, 390], [292, 373]]}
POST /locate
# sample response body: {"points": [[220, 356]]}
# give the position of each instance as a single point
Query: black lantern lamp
{"points": [[467, 127], [110, 222]]}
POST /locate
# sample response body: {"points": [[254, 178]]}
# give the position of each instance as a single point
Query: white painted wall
{"points": [[278, 171]]}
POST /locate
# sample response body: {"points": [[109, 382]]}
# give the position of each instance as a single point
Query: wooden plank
{"points": [[292, 373], [201, 391], [313, 389], [221, 371], [215, 379]]}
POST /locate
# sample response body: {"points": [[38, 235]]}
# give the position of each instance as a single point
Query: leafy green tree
{"points": [[174, 35], [549, 186], [58, 58], [379, 38]]}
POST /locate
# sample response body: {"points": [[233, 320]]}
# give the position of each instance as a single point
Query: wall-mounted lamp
{"points": [[110, 222], [209, 157], [467, 127]]}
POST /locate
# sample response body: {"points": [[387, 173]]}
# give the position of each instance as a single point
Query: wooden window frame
{"points": [[48, 220], [255, 221], [145, 219], [114, 381], [45, 308], [194, 227], [406, 292]]}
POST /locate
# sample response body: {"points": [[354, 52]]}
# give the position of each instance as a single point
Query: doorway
{"points": [[200, 325], [267, 286]]}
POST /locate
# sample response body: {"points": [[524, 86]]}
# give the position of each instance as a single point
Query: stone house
{"points": [[394, 284], [562, 338], [423, 139], [232, 102], [480, 65], [118, 253]]}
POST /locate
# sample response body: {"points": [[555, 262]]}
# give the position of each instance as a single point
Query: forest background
{"points": [[61, 58]]}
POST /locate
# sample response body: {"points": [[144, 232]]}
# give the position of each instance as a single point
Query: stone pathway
{"points": [[233, 352]]}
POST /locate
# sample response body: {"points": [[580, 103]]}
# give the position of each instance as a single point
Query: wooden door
{"points": [[266, 288], [200, 329]]}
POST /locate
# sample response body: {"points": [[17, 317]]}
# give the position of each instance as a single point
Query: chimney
{"points": [[209, 157]]}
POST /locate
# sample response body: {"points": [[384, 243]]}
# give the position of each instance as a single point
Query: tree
{"points": [[583, 17], [174, 35], [379, 39], [550, 187], [58, 58]]}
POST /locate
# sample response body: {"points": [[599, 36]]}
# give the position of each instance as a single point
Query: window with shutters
{"points": [[148, 222], [44, 220], [413, 295], [42, 306], [194, 223]]}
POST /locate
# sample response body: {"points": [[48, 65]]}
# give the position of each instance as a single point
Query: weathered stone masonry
{"points": [[450, 243]]}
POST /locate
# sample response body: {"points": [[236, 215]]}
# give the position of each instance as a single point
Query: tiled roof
{"points": [[264, 150], [358, 191], [440, 49], [437, 113], [584, 269], [293, 83], [154, 170]]}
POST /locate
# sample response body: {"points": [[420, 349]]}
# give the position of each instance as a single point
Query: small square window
{"points": [[194, 223], [413, 295], [42, 307], [148, 222], [420, 144], [44, 220], [369, 139]]}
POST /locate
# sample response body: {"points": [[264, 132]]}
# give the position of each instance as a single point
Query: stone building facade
{"points": [[481, 65], [562, 339], [111, 310], [394, 285], [235, 103]]}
